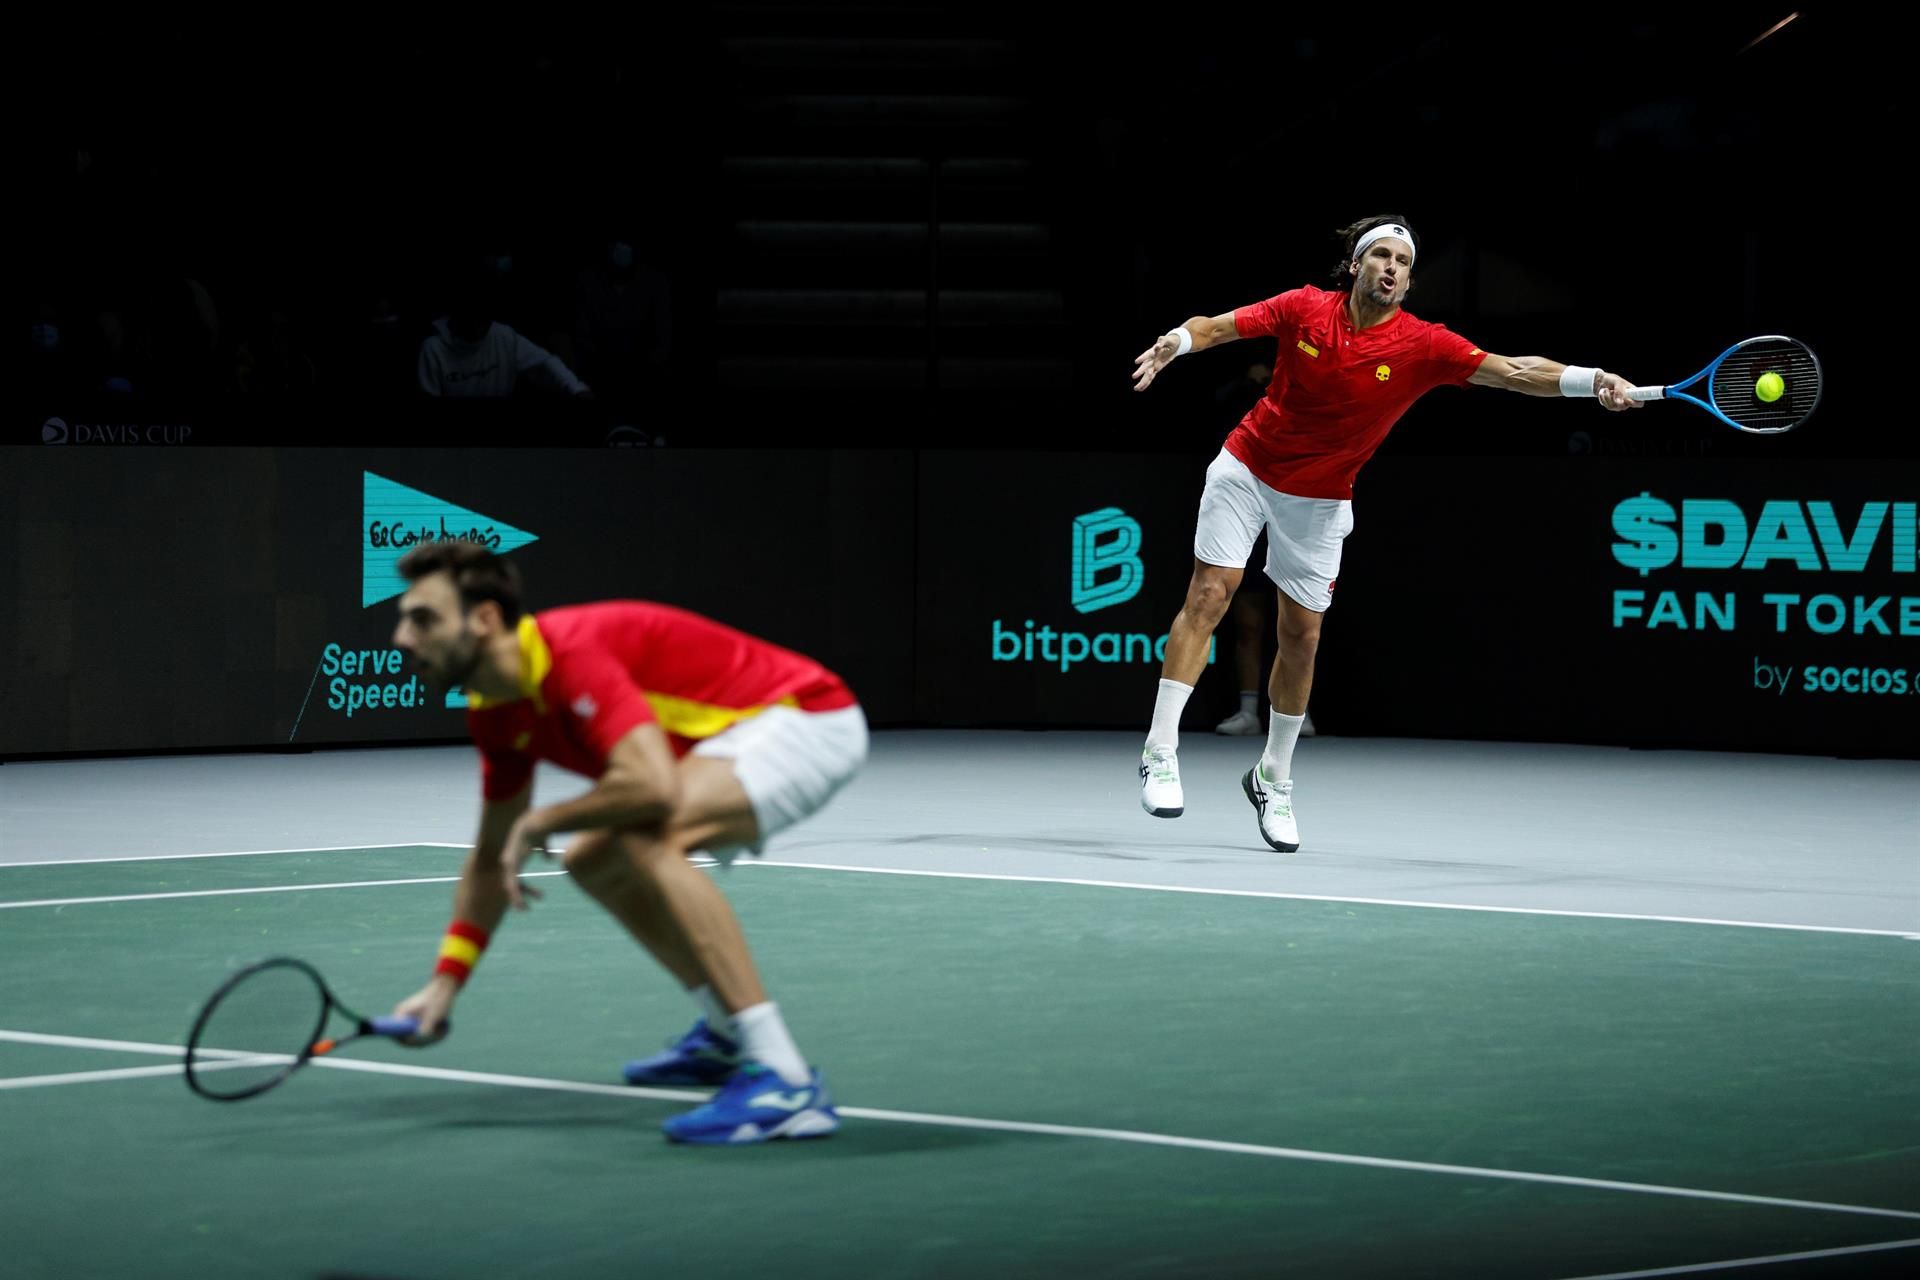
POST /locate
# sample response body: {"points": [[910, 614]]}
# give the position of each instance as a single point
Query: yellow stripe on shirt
{"points": [[692, 719], [536, 660]]}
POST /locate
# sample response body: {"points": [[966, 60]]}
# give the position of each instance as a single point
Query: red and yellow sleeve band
{"points": [[460, 950]]}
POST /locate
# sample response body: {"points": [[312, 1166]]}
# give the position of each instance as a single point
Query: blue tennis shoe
{"points": [[756, 1105], [702, 1056]]}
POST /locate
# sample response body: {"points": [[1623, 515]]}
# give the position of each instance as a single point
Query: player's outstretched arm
{"points": [[1197, 334], [479, 900], [1539, 376]]}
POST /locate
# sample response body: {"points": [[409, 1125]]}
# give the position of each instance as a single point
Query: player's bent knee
{"points": [[646, 853], [1305, 635], [593, 857], [1208, 598], [1298, 628], [1300, 647]]}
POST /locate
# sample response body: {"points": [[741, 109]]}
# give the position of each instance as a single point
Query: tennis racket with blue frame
{"points": [[269, 1020], [1737, 385]]}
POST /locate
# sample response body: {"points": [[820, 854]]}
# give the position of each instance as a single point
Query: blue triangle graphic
{"points": [[397, 519]]}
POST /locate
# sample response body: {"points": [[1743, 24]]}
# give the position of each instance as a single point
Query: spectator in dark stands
{"points": [[384, 347], [470, 355], [273, 359], [158, 332], [122, 350], [623, 322], [51, 367]]}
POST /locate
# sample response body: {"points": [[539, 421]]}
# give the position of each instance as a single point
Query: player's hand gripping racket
{"points": [[269, 1020], [1764, 385]]}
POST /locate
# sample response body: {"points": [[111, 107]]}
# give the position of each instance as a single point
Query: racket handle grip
{"points": [[397, 1027], [407, 1030], [1646, 393]]}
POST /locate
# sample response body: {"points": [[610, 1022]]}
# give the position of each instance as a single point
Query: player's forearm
{"points": [[613, 802], [479, 904], [479, 898], [1533, 376], [1211, 331]]}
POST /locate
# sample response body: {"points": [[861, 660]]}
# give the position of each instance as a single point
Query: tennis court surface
{"points": [[1066, 1038]]}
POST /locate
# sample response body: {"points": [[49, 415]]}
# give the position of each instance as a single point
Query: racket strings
{"points": [[1735, 386], [256, 1032]]}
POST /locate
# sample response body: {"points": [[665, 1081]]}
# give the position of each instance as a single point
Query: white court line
{"points": [[87, 1042], [84, 1077], [240, 853], [347, 1064], [1909, 934], [1049, 1130], [1322, 897], [132, 1073], [272, 888], [1754, 1262]]}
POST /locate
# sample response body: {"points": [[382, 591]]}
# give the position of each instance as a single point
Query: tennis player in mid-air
{"points": [[1350, 363], [698, 738]]}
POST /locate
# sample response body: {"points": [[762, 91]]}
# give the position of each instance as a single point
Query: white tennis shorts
{"points": [[790, 763], [1303, 534]]}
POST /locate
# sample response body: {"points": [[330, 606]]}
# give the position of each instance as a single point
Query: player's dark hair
{"points": [[478, 574], [1350, 236]]}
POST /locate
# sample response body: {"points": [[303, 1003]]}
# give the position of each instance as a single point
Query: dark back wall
{"points": [[168, 599]]}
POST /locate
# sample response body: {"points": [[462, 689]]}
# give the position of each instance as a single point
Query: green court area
{"points": [[1037, 1080]]}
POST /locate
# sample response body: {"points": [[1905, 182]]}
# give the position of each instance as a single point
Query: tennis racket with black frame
{"points": [[1737, 378], [269, 1020]]}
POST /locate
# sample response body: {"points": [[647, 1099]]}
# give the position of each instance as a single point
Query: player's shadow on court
{"points": [[871, 1139], [514, 1109], [857, 1138]]}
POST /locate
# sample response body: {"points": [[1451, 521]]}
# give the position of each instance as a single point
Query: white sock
{"points": [[1276, 762], [1249, 702], [1167, 706], [765, 1035], [717, 1016]]}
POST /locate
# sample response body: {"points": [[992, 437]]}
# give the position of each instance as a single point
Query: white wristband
{"points": [[1184, 338], [1576, 381]]}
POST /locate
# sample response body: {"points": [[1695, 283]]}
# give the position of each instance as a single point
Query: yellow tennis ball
{"points": [[1770, 387]]}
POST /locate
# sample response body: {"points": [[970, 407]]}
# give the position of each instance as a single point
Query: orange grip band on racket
{"points": [[460, 950]]}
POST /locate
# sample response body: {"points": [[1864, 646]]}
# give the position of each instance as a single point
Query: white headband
{"points": [[1393, 229]]}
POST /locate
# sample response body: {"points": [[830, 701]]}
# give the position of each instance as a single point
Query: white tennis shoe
{"points": [[1273, 801], [1160, 793]]}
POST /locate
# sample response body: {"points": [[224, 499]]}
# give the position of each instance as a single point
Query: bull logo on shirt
{"points": [[1382, 372]]}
